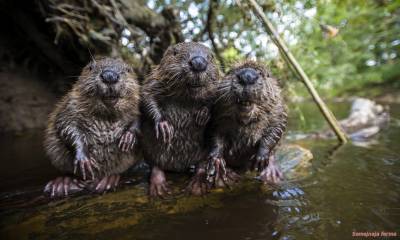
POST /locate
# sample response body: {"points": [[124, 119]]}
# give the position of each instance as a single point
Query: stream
{"points": [[346, 190]]}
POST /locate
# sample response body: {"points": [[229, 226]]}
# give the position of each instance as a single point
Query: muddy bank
{"points": [[25, 102]]}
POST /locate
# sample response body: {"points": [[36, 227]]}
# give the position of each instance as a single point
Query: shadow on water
{"points": [[349, 188]]}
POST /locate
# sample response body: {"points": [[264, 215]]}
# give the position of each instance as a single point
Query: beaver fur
{"points": [[248, 121], [92, 131], [178, 96]]}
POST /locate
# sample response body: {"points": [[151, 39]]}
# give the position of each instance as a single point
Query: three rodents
{"points": [[184, 114]]}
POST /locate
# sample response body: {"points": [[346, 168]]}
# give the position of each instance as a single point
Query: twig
{"points": [[123, 20], [208, 28], [257, 10]]}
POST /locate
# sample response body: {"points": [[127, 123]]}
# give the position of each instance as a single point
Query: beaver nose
{"points": [[247, 76], [198, 63], [109, 76]]}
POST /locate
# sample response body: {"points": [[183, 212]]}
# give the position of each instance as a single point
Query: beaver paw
{"points": [[86, 165], [165, 129], [218, 175], [198, 185], [261, 160], [63, 186], [216, 169], [158, 184], [230, 179], [271, 174], [202, 116], [127, 141], [107, 183]]}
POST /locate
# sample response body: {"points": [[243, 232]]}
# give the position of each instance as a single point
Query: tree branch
{"points": [[209, 30]]}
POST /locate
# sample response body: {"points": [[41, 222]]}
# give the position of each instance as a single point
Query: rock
{"points": [[365, 120], [294, 161], [364, 114]]}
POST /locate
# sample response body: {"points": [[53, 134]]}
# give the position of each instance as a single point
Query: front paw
{"points": [[107, 183], [165, 129], [127, 141], [85, 165], [202, 116], [261, 160]]}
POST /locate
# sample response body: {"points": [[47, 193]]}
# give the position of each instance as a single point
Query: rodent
{"points": [[248, 121], [93, 130], [177, 97]]}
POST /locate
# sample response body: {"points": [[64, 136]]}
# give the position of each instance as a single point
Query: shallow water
{"points": [[352, 188]]}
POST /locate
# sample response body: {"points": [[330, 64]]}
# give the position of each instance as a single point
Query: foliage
{"points": [[365, 50], [341, 44]]}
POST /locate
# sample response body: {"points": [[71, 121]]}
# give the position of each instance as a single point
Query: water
{"points": [[352, 188]]}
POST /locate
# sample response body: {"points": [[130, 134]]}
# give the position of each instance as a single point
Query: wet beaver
{"points": [[178, 96], [248, 121], [93, 129]]}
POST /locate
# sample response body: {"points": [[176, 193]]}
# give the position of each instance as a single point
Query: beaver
{"points": [[92, 132], [177, 97], [248, 121]]}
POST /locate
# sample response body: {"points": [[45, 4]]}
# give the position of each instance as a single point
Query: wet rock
{"points": [[366, 119], [294, 161], [365, 114]]}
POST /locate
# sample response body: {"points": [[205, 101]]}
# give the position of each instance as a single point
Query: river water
{"points": [[347, 190]]}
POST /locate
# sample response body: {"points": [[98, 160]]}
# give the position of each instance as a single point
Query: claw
{"points": [[127, 141], [107, 183], [198, 185], [216, 168], [165, 129], [217, 173], [86, 165], [158, 184], [260, 162], [271, 174], [202, 116], [62, 186]]}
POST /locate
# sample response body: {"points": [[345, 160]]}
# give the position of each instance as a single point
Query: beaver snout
{"points": [[198, 63], [247, 76], [109, 77]]}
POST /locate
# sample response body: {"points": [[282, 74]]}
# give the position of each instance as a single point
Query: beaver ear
{"points": [[171, 50], [128, 69], [212, 56], [92, 65], [174, 51]]}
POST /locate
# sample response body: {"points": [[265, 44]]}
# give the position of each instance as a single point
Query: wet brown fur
{"points": [[98, 115], [241, 132], [173, 93]]}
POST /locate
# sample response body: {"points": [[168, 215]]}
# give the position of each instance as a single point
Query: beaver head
{"points": [[188, 69], [106, 83], [249, 88]]}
